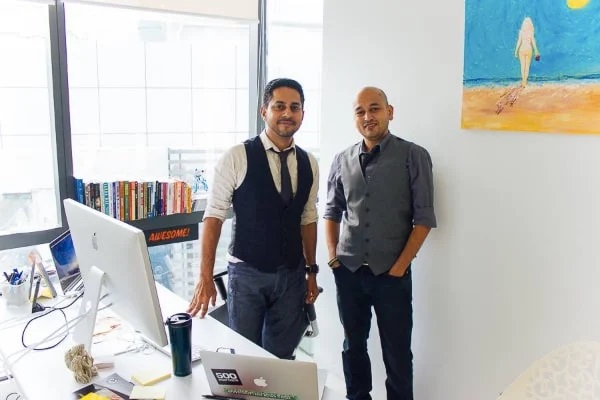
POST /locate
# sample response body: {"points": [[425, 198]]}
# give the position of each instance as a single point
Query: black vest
{"points": [[265, 232]]}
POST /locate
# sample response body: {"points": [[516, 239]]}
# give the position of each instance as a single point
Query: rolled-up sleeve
{"points": [[336, 201], [229, 172], [420, 169]]}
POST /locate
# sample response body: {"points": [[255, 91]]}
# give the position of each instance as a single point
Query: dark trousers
{"points": [[391, 298], [268, 308]]}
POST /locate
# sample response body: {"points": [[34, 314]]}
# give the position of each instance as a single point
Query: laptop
{"points": [[252, 377], [65, 261]]}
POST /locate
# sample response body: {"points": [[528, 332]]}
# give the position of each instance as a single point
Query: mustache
{"points": [[286, 120]]}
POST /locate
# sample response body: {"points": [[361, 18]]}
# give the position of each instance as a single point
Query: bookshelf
{"points": [[167, 221]]}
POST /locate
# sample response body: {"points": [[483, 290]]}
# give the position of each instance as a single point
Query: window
{"points": [[294, 50], [151, 95], [28, 187], [141, 83], [155, 95]]}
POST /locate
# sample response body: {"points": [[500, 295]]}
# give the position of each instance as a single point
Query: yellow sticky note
{"points": [[148, 393], [93, 396], [149, 377]]}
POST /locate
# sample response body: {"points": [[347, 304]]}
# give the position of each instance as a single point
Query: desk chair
{"points": [[222, 315], [569, 372]]}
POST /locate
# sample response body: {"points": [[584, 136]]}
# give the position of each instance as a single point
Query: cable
{"points": [[16, 321], [52, 309], [47, 347], [23, 352], [10, 396]]}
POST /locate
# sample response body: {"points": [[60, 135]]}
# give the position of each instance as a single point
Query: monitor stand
{"points": [[84, 328]]}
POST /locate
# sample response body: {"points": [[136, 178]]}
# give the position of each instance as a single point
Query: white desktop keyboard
{"points": [[196, 349]]}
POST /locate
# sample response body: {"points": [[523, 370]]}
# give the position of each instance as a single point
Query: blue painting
{"points": [[532, 65]]}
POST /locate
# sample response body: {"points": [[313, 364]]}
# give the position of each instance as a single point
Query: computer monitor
{"points": [[114, 255]]}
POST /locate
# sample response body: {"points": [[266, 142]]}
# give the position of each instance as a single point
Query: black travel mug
{"points": [[180, 336]]}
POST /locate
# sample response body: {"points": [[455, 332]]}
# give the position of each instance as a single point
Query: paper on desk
{"points": [[148, 392], [110, 337]]}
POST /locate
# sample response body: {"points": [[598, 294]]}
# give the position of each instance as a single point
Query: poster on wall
{"points": [[532, 66]]}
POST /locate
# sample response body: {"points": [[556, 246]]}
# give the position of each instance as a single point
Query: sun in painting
{"points": [[577, 4]]}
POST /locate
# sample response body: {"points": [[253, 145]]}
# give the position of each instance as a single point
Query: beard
{"points": [[285, 131]]}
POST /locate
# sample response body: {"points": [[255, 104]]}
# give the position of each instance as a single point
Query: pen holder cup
{"points": [[15, 295], [180, 335]]}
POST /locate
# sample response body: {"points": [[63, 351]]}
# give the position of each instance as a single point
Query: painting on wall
{"points": [[532, 65]]}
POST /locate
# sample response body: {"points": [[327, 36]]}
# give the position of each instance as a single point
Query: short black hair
{"points": [[281, 82]]}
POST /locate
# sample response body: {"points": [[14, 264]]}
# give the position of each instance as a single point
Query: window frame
{"points": [[61, 134]]}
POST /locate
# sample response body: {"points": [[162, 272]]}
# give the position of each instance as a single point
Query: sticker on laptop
{"points": [[266, 395], [227, 376]]}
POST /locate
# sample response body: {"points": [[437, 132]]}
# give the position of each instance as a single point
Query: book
{"points": [[97, 392]]}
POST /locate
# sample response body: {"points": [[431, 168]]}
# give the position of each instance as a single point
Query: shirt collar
{"points": [[382, 144], [269, 145]]}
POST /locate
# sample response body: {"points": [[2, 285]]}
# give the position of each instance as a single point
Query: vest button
{"points": [[367, 240], [367, 194], [367, 225], [367, 209]]}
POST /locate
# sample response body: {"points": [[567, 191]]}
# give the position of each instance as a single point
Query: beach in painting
{"points": [[541, 107], [532, 66]]}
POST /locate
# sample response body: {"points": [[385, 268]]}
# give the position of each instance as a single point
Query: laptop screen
{"points": [[65, 261]]}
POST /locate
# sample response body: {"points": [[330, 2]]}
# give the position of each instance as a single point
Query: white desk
{"points": [[44, 375]]}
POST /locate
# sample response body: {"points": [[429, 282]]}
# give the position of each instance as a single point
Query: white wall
{"points": [[512, 271]]}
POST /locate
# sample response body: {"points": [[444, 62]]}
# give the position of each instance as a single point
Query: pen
{"points": [[217, 397], [5, 378]]}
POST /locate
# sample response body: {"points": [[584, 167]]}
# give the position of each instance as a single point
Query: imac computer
{"points": [[114, 255]]}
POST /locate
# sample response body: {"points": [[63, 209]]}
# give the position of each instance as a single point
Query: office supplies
{"points": [[35, 306], [35, 259], [262, 377], [149, 377], [148, 392], [117, 384], [104, 361], [96, 392], [15, 293]]}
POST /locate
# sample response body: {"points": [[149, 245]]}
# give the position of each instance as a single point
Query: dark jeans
{"points": [[268, 308], [391, 298]]}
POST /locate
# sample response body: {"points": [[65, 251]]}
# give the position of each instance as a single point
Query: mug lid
{"points": [[179, 318]]}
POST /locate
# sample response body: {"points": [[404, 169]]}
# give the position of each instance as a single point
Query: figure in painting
{"points": [[525, 48]]}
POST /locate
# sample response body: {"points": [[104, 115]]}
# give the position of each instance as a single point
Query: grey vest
{"points": [[379, 216]]}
